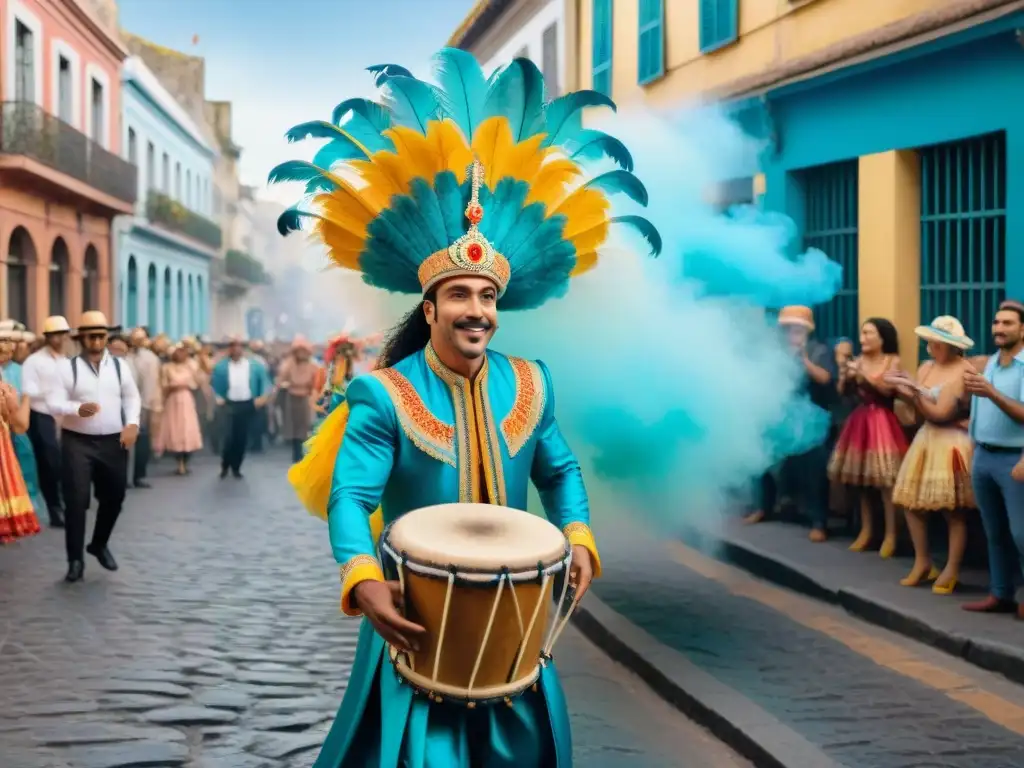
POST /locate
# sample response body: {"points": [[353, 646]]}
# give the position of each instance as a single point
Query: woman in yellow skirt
{"points": [[17, 516], [936, 472]]}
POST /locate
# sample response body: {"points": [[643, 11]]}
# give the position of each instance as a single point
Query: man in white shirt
{"points": [[100, 404], [241, 385], [39, 377]]}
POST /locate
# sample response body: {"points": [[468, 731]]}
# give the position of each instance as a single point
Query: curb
{"points": [[731, 717], [993, 656]]}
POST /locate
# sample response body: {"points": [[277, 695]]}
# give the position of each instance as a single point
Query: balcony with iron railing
{"points": [[175, 217], [242, 266], [27, 130]]}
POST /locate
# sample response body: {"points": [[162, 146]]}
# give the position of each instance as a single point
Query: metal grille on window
{"points": [[831, 226], [963, 233]]}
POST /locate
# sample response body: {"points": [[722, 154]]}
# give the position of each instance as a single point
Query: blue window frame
{"points": [[719, 23], [601, 44], [651, 64]]}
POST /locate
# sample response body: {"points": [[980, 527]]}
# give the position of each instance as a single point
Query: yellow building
{"points": [[892, 126]]}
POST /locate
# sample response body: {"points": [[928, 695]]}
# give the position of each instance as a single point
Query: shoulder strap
{"points": [[74, 373]]}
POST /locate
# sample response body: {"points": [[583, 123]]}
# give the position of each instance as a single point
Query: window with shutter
{"points": [[651, 63], [719, 23], [601, 44]]}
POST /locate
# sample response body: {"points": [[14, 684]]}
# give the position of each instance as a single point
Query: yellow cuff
{"points": [[579, 534], [377, 525], [357, 570]]}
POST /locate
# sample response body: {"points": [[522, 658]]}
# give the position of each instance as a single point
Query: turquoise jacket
{"points": [[259, 379], [412, 441]]}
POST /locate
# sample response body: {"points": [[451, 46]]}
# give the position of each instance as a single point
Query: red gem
{"points": [[475, 214], [475, 252]]}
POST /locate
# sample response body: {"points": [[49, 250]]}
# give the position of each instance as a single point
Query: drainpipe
{"points": [[570, 42]]}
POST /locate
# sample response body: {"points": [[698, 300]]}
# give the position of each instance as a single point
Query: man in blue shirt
{"points": [[997, 427]]}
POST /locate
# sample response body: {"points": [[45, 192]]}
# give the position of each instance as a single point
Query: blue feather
{"points": [[412, 102], [364, 121], [384, 72], [620, 181], [542, 262], [452, 198], [595, 145], [562, 119], [291, 220], [300, 170], [644, 227], [462, 90], [334, 152], [517, 93], [503, 207]]}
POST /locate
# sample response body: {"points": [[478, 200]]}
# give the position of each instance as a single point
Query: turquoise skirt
{"points": [[383, 724]]}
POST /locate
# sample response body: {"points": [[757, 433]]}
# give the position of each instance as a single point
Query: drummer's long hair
{"points": [[409, 335]]}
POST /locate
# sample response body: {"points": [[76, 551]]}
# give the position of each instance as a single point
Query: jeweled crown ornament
{"points": [[471, 254]]}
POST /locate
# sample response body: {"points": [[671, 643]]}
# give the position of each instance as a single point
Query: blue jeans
{"points": [[1001, 501]]}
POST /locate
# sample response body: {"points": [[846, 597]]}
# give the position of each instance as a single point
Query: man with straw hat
{"points": [[39, 378], [100, 405]]}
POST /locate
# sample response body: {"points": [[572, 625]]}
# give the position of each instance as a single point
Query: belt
{"points": [[1000, 448]]}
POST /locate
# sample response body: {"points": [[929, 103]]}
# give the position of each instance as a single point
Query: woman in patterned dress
{"points": [[17, 515]]}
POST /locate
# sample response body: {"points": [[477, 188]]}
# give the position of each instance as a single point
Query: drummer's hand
{"points": [[380, 601], [582, 571]]}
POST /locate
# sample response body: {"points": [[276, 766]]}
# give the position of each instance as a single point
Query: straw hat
{"points": [[10, 330], [56, 324], [945, 329], [94, 320], [797, 315]]}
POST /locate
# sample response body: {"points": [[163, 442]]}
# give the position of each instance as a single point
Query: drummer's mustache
{"points": [[479, 324]]}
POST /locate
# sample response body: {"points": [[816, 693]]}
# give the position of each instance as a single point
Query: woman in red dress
{"points": [[17, 516], [871, 445]]}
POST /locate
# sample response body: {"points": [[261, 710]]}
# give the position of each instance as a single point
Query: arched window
{"points": [[165, 326], [131, 309], [191, 308], [91, 279], [180, 307], [21, 252], [151, 298], [59, 262]]}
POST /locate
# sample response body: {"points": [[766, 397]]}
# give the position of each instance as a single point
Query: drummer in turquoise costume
{"points": [[472, 193]]}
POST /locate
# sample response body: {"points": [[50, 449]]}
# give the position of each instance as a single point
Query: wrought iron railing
{"points": [[27, 129], [242, 266], [165, 212]]}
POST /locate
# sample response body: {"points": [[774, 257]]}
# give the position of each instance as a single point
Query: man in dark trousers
{"points": [[241, 385], [100, 405], [39, 376]]}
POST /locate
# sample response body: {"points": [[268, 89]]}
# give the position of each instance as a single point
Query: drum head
{"points": [[477, 536]]}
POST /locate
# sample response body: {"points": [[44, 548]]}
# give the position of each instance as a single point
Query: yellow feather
{"points": [[492, 139], [377, 177], [584, 263], [416, 151], [550, 182], [311, 478], [343, 246], [452, 151], [589, 239], [348, 211]]}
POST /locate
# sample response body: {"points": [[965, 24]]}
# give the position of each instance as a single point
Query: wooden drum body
{"points": [[479, 578]]}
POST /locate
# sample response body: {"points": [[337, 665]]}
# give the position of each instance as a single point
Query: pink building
{"points": [[61, 178]]}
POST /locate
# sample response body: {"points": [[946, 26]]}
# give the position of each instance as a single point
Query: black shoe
{"points": [[56, 519], [236, 474], [103, 555], [76, 569], [142, 484], [223, 472]]}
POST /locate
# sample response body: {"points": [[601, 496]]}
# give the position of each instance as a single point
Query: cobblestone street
{"points": [[219, 644]]}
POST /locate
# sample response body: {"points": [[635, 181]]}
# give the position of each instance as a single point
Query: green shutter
{"points": [[963, 233], [651, 64], [601, 47], [830, 192], [719, 23]]}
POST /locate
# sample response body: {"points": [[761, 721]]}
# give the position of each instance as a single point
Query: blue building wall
{"points": [[145, 251], [959, 86]]}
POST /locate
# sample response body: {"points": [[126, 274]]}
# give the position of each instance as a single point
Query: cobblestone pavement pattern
{"points": [[861, 714], [219, 645]]}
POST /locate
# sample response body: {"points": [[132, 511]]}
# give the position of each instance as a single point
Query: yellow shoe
{"points": [[909, 581], [888, 548], [860, 544], [944, 589]]}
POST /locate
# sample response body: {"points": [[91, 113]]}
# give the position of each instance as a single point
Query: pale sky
{"points": [[283, 63]]}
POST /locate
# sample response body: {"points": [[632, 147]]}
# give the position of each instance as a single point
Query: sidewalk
{"points": [[868, 587]]}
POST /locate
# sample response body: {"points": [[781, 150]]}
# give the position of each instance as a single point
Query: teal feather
{"points": [[620, 181], [412, 102], [384, 72], [335, 152], [321, 129], [452, 197], [291, 219], [300, 170], [595, 145], [542, 262], [517, 93], [562, 117], [462, 89], [503, 206], [641, 225], [365, 121]]}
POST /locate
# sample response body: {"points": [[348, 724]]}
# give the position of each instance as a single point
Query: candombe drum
{"points": [[480, 579]]}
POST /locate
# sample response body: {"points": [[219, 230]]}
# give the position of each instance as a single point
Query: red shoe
{"points": [[992, 604]]}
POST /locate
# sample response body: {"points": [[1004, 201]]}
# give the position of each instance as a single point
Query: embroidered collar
{"points": [[446, 374]]}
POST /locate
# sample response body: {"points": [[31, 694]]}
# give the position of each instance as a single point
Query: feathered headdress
{"points": [[469, 176]]}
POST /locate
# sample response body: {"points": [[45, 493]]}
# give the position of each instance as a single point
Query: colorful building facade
{"points": [[61, 179], [165, 248], [892, 130]]}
